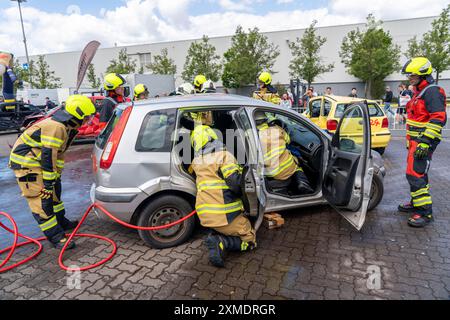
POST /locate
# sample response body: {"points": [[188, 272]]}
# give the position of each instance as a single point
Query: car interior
{"points": [[306, 145]]}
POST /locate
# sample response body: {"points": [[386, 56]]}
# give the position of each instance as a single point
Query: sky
{"points": [[67, 25]]}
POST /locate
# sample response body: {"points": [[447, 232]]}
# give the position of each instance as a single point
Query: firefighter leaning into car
{"points": [[141, 92], [115, 94], [37, 159], [279, 162], [426, 118], [266, 91], [218, 202]]}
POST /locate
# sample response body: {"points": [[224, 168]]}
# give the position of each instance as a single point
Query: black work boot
{"points": [[216, 250], [69, 225], [419, 220], [406, 207], [60, 244]]}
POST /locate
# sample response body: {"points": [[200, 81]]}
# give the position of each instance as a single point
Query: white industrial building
{"points": [[65, 64]]}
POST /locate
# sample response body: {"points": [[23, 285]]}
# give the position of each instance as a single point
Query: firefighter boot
{"points": [[420, 220], [219, 244], [65, 223], [302, 183], [60, 244], [406, 207]]}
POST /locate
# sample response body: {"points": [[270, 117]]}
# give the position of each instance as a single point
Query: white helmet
{"points": [[185, 88], [208, 87]]}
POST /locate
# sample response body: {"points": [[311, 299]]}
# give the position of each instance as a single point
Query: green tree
{"points": [[162, 64], [307, 62], [435, 44], [202, 59], [43, 77], [94, 81], [124, 64], [22, 74], [249, 54]]}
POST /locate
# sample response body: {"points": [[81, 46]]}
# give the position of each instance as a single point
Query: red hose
{"points": [[74, 233]]}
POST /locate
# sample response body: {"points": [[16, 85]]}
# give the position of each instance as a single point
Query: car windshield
{"points": [[374, 110]]}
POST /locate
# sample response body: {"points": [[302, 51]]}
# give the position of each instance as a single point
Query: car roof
{"points": [[204, 99], [346, 99]]}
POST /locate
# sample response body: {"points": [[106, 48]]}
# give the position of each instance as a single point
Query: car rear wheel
{"points": [[376, 192], [164, 210]]}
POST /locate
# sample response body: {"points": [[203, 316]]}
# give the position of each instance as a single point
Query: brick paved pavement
{"points": [[316, 255]]}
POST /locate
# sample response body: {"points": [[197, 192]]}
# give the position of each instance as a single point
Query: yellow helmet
{"points": [[201, 135], [79, 106], [199, 80], [420, 66], [139, 89], [113, 81], [265, 77]]}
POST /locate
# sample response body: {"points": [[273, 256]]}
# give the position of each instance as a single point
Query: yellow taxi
{"points": [[325, 111]]}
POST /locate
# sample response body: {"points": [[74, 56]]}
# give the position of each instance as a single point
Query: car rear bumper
{"points": [[121, 203], [381, 139]]}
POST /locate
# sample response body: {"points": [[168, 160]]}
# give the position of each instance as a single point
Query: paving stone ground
{"points": [[316, 255]]}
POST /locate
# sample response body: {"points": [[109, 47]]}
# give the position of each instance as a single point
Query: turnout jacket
{"points": [[426, 113], [268, 94], [279, 163], [40, 149], [218, 177]]}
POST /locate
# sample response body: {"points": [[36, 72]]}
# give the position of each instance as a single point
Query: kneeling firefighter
{"points": [[426, 118], [37, 159], [218, 201], [266, 91], [279, 162]]}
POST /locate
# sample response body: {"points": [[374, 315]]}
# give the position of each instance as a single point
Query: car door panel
{"points": [[348, 177]]}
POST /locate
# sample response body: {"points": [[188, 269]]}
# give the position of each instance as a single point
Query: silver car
{"points": [[141, 163]]}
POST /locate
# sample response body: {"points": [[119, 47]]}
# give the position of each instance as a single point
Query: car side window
{"points": [[156, 131], [314, 106], [326, 107]]}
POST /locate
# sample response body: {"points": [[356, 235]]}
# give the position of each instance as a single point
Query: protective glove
{"points": [[46, 193], [422, 151]]}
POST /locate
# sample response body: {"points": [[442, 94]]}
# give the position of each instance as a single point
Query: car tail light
{"points": [[332, 125], [113, 142], [385, 123]]}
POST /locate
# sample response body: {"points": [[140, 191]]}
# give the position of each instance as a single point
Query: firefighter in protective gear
{"points": [[208, 87], [199, 80], [9, 78], [37, 159], [279, 162], [266, 91], [426, 117], [140, 92], [115, 94], [218, 204]]}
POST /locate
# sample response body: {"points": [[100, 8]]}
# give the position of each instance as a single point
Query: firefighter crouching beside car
{"points": [[279, 162], [141, 92], [218, 202], [115, 94], [37, 159], [426, 118], [266, 91]]}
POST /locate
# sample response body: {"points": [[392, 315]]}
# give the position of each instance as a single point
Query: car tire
{"points": [[376, 192], [167, 208], [380, 150]]}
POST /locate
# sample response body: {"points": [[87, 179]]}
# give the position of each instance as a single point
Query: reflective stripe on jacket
{"points": [[279, 163], [218, 176]]}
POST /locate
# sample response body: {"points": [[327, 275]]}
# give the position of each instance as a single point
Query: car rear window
{"points": [[374, 110], [103, 137], [156, 131]]}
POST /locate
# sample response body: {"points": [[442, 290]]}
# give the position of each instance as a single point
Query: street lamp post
{"points": [[25, 40]]}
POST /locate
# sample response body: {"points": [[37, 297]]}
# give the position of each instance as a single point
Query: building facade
{"points": [[65, 64]]}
